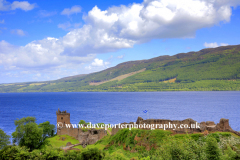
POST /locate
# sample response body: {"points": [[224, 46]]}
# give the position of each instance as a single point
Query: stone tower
{"points": [[63, 117]]}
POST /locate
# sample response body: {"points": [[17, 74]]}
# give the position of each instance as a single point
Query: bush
{"points": [[14, 152], [92, 154], [229, 154], [212, 150]]}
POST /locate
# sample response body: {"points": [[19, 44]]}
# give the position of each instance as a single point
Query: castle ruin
{"points": [[85, 137], [210, 126], [91, 136]]}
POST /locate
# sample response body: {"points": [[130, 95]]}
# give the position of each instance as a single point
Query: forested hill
{"points": [[207, 69]]}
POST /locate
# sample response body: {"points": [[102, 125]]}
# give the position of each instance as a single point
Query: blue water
{"points": [[120, 107]]}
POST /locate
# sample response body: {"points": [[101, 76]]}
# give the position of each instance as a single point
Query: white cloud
{"points": [[97, 65], [44, 13], [224, 44], [41, 54], [211, 45], [24, 5], [6, 48], [18, 32], [97, 62], [2, 21], [68, 11], [214, 45], [88, 40]]}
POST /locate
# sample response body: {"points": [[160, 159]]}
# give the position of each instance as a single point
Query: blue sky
{"points": [[46, 40]]}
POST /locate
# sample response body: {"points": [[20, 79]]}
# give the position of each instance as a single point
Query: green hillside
{"points": [[136, 144], [206, 70]]}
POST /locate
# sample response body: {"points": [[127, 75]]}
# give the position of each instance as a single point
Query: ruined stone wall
{"points": [[83, 137], [91, 136], [101, 133], [156, 122], [223, 125], [74, 132]]}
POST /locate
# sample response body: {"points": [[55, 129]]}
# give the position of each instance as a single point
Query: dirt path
{"points": [[119, 78]]}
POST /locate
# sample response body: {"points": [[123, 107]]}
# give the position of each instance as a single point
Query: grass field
{"points": [[61, 140]]}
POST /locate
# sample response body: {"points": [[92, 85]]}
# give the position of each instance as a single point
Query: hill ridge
{"points": [[207, 69]]}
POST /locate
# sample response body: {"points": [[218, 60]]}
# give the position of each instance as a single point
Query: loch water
{"points": [[118, 107]]}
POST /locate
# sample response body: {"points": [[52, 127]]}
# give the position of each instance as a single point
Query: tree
{"points": [[28, 133], [83, 122], [48, 129], [4, 139]]}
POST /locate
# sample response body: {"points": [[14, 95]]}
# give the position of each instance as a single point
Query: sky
{"points": [[46, 40]]}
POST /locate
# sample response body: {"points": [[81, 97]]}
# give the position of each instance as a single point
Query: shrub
{"points": [[212, 150], [92, 154]]}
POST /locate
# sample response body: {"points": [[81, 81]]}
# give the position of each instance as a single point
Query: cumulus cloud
{"points": [[68, 11], [37, 54], [6, 47], [123, 26], [214, 45], [97, 64], [24, 5], [18, 32]]}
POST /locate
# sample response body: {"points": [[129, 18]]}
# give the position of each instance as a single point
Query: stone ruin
{"points": [[91, 136], [85, 137], [222, 126]]}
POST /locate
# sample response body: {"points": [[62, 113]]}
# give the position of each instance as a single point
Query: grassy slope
{"points": [[133, 143], [208, 69], [58, 142]]}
